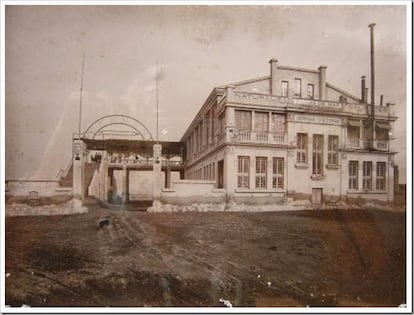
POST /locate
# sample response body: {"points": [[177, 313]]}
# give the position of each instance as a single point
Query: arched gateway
{"points": [[117, 160]]}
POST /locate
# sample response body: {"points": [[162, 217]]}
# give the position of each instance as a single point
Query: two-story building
{"points": [[292, 134]]}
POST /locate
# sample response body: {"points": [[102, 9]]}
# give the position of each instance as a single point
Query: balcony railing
{"points": [[355, 143], [245, 136]]}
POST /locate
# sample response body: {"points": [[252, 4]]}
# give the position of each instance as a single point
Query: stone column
{"points": [[156, 172], [125, 184], [78, 168]]}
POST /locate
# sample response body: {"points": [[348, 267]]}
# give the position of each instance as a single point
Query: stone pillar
{"points": [[78, 170], [273, 73], [157, 185], [125, 184], [322, 83]]}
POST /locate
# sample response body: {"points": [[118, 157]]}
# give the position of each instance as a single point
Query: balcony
{"points": [[363, 144], [259, 137]]}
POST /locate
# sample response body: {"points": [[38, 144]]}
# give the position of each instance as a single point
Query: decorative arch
{"points": [[105, 121]]}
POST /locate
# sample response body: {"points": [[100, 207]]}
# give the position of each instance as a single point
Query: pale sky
{"points": [[197, 47]]}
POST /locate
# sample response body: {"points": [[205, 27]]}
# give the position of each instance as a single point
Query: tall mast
{"points": [[80, 98], [156, 96]]}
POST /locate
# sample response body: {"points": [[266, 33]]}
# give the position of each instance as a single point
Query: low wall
{"points": [[35, 187], [72, 206], [190, 195]]}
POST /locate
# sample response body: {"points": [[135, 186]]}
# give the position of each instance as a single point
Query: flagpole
{"points": [[80, 98], [156, 96]]}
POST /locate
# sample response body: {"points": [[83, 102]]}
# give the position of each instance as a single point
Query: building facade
{"points": [[292, 134]]}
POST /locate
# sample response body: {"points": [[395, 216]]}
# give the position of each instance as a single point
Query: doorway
{"points": [[317, 196]]}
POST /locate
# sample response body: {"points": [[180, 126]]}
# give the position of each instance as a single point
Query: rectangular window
{"points": [[278, 123], [261, 168], [317, 155], [367, 175], [243, 120], [278, 172], [353, 175], [285, 88], [261, 121], [380, 183], [333, 150], [243, 171], [302, 150], [298, 87], [311, 91]]}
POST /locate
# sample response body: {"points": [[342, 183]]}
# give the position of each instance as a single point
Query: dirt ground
{"points": [[301, 258]]}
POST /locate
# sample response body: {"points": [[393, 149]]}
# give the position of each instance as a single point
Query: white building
{"points": [[292, 134]]}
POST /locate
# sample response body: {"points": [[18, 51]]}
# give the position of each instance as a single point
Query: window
{"points": [[380, 176], [278, 123], [285, 88], [353, 175], [278, 171], [261, 121], [302, 144], [311, 91], [367, 175], [317, 155], [298, 87], [333, 150], [261, 167], [243, 120], [243, 172]]}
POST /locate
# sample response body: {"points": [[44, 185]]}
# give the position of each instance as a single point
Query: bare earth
{"points": [[315, 258]]}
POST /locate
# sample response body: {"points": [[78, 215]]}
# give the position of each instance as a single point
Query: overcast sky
{"points": [[197, 47]]}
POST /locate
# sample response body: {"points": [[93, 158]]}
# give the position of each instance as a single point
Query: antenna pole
{"points": [[156, 96], [80, 99]]}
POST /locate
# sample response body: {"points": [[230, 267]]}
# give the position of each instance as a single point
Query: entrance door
{"points": [[317, 196], [220, 174]]}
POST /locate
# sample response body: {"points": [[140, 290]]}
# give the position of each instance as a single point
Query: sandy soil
{"points": [[300, 258]]}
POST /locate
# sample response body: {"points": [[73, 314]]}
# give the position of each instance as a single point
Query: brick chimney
{"points": [[322, 82], [363, 92], [272, 81]]}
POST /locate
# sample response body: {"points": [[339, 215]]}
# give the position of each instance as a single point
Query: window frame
{"points": [[301, 148], [353, 178], [261, 172], [243, 171], [278, 173], [298, 87], [311, 95], [381, 179], [332, 150], [367, 175], [317, 154]]}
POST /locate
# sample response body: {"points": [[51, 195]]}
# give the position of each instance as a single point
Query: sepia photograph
{"points": [[196, 157]]}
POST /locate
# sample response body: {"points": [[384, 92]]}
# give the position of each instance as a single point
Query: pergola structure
{"points": [[119, 150]]}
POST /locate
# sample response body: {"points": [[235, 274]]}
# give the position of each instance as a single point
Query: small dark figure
{"points": [[104, 221]]}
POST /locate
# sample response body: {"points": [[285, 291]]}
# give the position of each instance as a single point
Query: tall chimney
{"points": [[322, 82], [272, 81], [363, 86], [381, 99]]}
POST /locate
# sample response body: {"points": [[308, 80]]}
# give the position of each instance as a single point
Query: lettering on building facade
{"points": [[315, 119]]}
